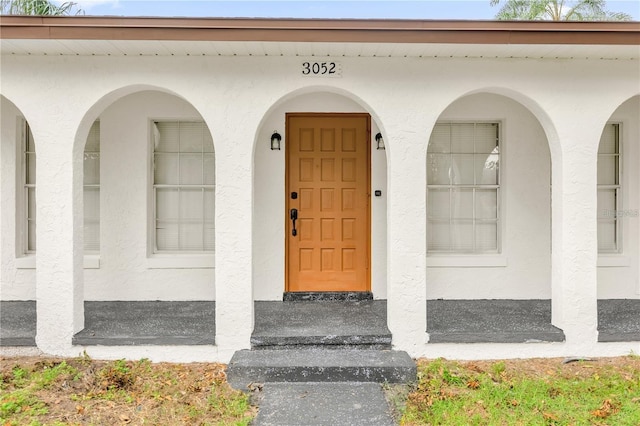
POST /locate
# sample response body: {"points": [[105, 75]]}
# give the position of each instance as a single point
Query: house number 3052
{"points": [[321, 69]]}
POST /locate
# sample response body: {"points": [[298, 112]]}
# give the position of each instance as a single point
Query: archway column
{"points": [[233, 142], [406, 140], [574, 230], [59, 273]]}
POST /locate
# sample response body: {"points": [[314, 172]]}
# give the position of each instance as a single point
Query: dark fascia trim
{"points": [[319, 30]]}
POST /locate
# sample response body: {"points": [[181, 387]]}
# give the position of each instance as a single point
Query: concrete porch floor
{"points": [[193, 323]]}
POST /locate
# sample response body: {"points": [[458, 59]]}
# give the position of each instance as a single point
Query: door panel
{"points": [[328, 168]]}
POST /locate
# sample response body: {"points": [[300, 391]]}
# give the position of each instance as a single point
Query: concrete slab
{"points": [[319, 365], [491, 321], [148, 323], [18, 323], [619, 320], [321, 323], [323, 404]]}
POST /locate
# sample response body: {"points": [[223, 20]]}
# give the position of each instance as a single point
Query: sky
{"points": [[381, 9]]}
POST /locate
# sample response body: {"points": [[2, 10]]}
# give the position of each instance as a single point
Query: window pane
{"points": [[486, 236], [209, 215], [166, 169], [462, 236], [607, 235], [439, 236], [438, 166], [462, 203], [606, 203], [486, 169], [191, 169], [440, 140], [91, 168], [31, 168], [91, 203], [439, 205], [486, 203], [486, 137], [607, 170], [462, 135], [191, 135], [462, 169], [31, 203], [167, 203], [31, 237], [91, 218], [167, 137], [209, 169], [167, 236], [191, 204], [191, 236]]}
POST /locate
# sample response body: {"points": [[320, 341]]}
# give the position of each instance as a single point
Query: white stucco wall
{"points": [[523, 268], [405, 97]]}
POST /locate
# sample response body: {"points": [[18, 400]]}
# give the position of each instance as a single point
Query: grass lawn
{"points": [[605, 391], [81, 391]]}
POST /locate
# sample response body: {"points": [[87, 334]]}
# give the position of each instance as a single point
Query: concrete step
{"points": [[321, 324], [339, 341], [319, 365]]}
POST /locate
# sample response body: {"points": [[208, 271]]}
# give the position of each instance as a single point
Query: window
{"points": [[92, 190], [609, 202], [463, 188], [28, 191], [183, 187]]}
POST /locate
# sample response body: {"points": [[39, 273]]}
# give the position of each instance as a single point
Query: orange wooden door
{"points": [[328, 184]]}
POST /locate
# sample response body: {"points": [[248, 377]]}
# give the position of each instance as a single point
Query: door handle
{"points": [[294, 216]]}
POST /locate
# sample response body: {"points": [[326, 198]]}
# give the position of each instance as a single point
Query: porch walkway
{"points": [[193, 323]]}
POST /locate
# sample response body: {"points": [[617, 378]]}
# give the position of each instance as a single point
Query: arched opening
{"points": [[489, 223], [149, 200], [618, 187], [274, 197], [17, 227]]}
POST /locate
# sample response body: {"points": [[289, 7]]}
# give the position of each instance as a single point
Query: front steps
{"points": [[319, 365], [320, 341]]}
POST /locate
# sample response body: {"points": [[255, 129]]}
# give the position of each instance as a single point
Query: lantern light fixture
{"points": [[379, 141], [275, 141]]}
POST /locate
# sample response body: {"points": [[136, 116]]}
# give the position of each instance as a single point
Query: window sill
{"points": [[479, 261], [26, 262], [612, 261], [181, 261], [91, 261]]}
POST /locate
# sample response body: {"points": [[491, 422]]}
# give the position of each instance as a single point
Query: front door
{"points": [[327, 180]]}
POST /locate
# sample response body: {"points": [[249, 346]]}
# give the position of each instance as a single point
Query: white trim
{"points": [[26, 262], [611, 261], [91, 261], [471, 261], [181, 261]]}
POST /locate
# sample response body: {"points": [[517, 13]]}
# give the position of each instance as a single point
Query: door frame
{"points": [[287, 196]]}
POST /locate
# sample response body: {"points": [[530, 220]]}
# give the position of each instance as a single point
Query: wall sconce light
{"points": [[379, 141], [275, 141]]}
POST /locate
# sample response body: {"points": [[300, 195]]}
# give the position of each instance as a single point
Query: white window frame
{"points": [[22, 199], [618, 190], [95, 186], [472, 258], [175, 258]]}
